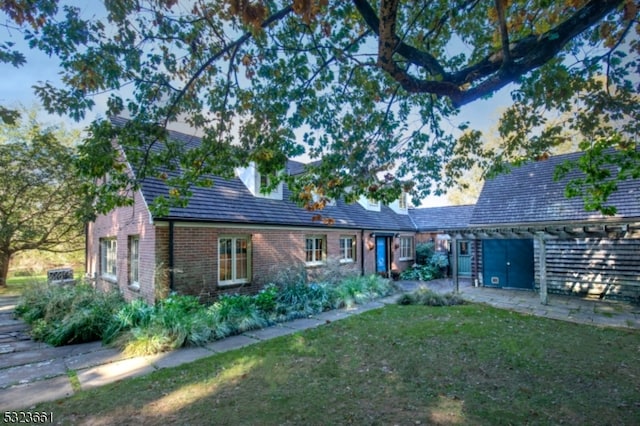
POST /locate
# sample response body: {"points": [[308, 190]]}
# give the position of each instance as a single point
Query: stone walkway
{"points": [[32, 372]]}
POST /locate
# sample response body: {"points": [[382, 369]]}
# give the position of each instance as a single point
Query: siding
{"points": [[593, 267]]}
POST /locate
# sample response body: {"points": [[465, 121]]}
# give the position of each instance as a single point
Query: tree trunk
{"points": [[4, 269]]}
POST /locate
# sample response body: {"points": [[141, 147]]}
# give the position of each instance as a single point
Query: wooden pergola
{"points": [[542, 233]]}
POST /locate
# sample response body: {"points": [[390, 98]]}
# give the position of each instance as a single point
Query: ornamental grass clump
{"points": [[70, 314], [300, 300], [239, 312], [178, 320], [357, 290], [424, 296]]}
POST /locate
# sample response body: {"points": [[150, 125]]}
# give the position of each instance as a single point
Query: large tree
{"points": [[367, 86], [41, 203]]}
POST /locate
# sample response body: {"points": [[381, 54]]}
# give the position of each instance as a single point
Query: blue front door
{"points": [[381, 255]]}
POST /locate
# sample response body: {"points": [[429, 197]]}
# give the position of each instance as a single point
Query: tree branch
{"points": [[504, 34], [491, 73], [417, 57], [246, 36]]}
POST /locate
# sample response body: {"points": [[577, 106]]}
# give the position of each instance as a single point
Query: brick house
{"points": [[231, 238]]}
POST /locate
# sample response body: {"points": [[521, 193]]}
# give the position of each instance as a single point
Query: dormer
{"points": [[256, 182], [401, 205], [330, 202], [369, 203]]}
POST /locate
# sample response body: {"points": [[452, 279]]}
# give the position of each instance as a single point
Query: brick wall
{"points": [[196, 255], [120, 224]]}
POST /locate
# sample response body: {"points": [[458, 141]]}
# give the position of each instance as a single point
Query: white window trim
{"points": [[233, 280], [403, 201], [134, 283], [343, 251], [410, 248], [105, 258], [316, 262]]}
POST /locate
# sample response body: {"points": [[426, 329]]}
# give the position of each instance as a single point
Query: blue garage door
{"points": [[508, 263]]}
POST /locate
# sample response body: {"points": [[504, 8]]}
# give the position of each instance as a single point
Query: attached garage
{"points": [[532, 237], [508, 263]]}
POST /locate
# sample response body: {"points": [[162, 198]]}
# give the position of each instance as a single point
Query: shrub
{"points": [[71, 314], [176, 321], [266, 299], [424, 296], [239, 312], [136, 313], [430, 264], [424, 252], [287, 275], [300, 300]]}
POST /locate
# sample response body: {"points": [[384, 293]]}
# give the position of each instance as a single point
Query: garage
{"points": [[508, 263]]}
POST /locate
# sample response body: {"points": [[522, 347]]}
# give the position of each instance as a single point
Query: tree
{"points": [[469, 185], [39, 191], [364, 85]]}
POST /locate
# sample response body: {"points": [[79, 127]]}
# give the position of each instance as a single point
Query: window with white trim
{"points": [[373, 203], [108, 258], [134, 260], [347, 249], [265, 181], [315, 249], [234, 260], [402, 201], [406, 248]]}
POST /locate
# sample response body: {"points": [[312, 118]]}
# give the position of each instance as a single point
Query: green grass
{"points": [[468, 364], [17, 285]]}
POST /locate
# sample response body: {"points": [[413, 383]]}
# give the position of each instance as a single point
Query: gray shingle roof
{"points": [[434, 219], [529, 195], [230, 201]]}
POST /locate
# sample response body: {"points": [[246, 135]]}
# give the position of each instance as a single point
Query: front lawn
{"points": [[18, 285], [458, 365]]}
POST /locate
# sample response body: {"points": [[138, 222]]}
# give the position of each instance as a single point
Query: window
{"points": [[373, 203], [264, 181], [347, 249], [463, 248], [134, 260], [234, 256], [406, 248], [315, 249], [402, 202], [108, 258]]}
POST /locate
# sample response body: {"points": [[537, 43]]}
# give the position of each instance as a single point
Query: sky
{"points": [[16, 89]]}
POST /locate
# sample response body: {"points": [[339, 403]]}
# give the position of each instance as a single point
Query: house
{"points": [[522, 233], [530, 236], [231, 238]]}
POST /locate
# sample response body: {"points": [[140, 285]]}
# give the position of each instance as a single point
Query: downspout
{"points": [[362, 252], [86, 249], [171, 278]]}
